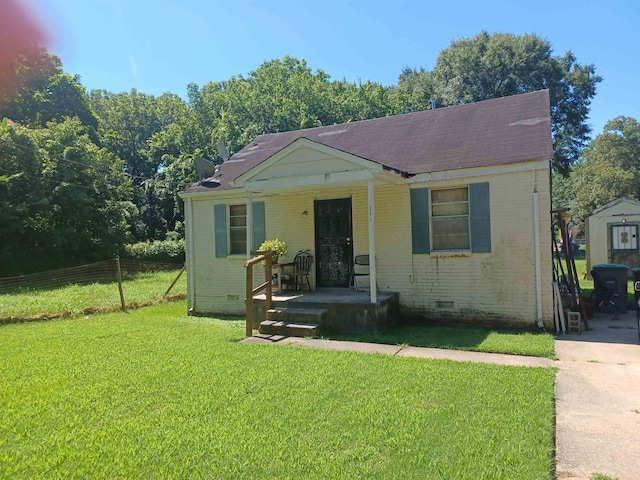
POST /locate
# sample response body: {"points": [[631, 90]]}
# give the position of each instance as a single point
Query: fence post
{"points": [[184, 267], [119, 273]]}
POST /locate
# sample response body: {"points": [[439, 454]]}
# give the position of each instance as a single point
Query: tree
{"points": [[414, 91], [42, 92], [22, 199], [147, 133], [282, 95], [489, 66], [63, 200], [611, 167]]}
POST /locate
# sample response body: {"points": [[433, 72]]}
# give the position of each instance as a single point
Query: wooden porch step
{"points": [[293, 322], [289, 329], [301, 315]]}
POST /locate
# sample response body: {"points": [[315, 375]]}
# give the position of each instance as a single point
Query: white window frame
{"points": [[435, 218], [237, 228]]}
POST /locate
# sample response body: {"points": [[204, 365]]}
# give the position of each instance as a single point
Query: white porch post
{"points": [[372, 245], [249, 225]]}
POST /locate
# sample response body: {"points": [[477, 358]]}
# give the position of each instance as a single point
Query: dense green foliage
{"points": [[163, 251], [137, 150], [40, 91], [610, 169], [155, 394], [61, 197]]}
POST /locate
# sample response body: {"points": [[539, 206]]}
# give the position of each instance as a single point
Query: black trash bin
{"points": [[636, 278], [613, 277]]}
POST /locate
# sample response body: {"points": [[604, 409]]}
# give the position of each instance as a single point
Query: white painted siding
{"points": [[482, 286], [501, 283], [219, 282]]}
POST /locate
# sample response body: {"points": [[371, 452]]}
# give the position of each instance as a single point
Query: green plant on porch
{"points": [[274, 245]]}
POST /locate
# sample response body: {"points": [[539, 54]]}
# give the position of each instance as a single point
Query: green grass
{"points": [[152, 393], [75, 299], [466, 338], [601, 476]]}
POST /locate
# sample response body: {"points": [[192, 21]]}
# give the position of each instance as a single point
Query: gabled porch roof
{"points": [[305, 163]]}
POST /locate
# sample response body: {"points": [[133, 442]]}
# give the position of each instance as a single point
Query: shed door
{"points": [[624, 244], [334, 248]]}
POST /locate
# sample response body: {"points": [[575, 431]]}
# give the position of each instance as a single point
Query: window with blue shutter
{"points": [[452, 219], [259, 235], [420, 220], [220, 224], [231, 235], [479, 217]]}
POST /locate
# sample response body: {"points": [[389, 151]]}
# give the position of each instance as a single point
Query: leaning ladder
{"points": [[572, 273]]}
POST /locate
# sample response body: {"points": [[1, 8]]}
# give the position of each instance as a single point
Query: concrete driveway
{"points": [[598, 400]]}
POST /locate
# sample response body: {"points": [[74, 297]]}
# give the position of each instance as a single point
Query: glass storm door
{"points": [[334, 247]]}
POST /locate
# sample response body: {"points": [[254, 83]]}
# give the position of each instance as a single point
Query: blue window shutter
{"points": [[420, 220], [258, 225], [480, 219], [220, 218]]}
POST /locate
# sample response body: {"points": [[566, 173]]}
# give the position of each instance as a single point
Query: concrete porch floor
{"points": [[327, 295]]}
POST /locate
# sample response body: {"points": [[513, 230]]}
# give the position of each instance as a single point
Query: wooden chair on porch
{"points": [[300, 269]]}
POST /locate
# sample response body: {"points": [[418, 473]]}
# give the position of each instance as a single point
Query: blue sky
{"points": [[159, 46]]}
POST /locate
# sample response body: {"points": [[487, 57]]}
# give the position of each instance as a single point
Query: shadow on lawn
{"points": [[424, 336]]}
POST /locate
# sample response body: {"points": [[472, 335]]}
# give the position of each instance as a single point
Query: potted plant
{"points": [[275, 245]]}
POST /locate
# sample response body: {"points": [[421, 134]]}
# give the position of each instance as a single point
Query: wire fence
{"points": [[104, 271], [97, 287]]}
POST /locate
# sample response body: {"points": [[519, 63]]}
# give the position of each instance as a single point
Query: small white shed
{"points": [[612, 234]]}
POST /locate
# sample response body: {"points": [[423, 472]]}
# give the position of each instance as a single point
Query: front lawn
{"points": [[536, 344], [143, 288], [153, 393]]}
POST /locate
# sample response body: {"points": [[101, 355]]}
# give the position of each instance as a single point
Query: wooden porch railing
{"points": [[250, 291]]}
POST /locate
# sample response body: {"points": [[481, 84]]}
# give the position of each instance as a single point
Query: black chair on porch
{"points": [[299, 274], [359, 269]]}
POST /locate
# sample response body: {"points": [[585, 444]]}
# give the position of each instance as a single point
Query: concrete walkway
{"points": [[598, 400], [421, 352], [597, 391]]}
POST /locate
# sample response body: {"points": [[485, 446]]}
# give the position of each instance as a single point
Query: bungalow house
{"points": [[451, 205], [611, 234]]}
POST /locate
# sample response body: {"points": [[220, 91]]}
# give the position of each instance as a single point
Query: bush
{"points": [[165, 251]]}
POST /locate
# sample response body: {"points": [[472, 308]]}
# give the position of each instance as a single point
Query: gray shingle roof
{"points": [[500, 131]]}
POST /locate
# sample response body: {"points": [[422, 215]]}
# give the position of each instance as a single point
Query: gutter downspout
{"points": [[536, 259], [191, 277], [373, 280]]}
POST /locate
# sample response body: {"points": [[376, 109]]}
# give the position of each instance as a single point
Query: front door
{"points": [[624, 244], [334, 248]]}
